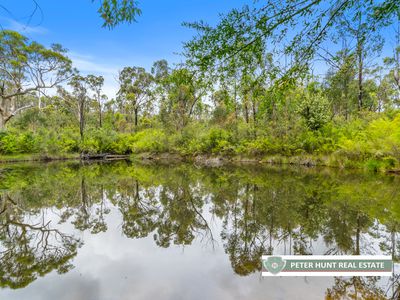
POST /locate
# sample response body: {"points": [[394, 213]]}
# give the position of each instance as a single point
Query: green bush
{"points": [[149, 140], [314, 108], [373, 165], [121, 145], [216, 140], [90, 146], [8, 143], [14, 143], [68, 143]]}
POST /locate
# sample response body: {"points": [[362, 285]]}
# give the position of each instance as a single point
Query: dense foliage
{"points": [[240, 92]]}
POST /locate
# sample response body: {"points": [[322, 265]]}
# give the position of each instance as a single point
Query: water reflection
{"points": [[248, 212], [30, 247]]}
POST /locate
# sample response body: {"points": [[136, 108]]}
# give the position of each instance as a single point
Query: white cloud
{"points": [[24, 28], [87, 64]]}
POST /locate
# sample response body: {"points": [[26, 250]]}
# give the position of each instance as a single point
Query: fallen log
{"points": [[397, 172], [93, 156], [116, 157], [104, 156]]}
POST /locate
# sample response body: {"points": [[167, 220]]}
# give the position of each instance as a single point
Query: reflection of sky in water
{"points": [[111, 266]]}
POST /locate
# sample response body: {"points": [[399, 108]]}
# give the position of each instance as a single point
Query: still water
{"points": [[128, 231]]}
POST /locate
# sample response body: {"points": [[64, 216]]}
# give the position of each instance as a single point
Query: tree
{"points": [[77, 100], [184, 93], [95, 84], [160, 70], [78, 83], [135, 90], [339, 82], [314, 108], [357, 25], [393, 63], [253, 28], [27, 67]]}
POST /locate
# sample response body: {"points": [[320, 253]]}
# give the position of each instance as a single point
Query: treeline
{"points": [[251, 102]]}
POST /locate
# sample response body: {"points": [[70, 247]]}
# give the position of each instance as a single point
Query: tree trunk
{"points": [[360, 80], [7, 116], [82, 119], [2, 121], [358, 233], [254, 108], [234, 101], [246, 110], [136, 112], [100, 116], [360, 45]]}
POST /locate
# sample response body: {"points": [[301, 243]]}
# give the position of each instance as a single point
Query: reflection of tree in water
{"points": [[29, 250], [262, 212], [344, 230], [265, 216], [172, 212], [245, 240], [139, 211], [365, 288], [89, 213], [181, 217]]}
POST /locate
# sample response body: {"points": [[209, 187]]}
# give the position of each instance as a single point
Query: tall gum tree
{"points": [[27, 67], [135, 90], [95, 85]]}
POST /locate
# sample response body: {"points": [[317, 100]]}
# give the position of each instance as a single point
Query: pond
{"points": [[140, 231]]}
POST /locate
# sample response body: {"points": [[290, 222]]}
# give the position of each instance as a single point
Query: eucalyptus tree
{"points": [[95, 84], [357, 25], [27, 67], [339, 82], [160, 70], [393, 64], [77, 100], [135, 90], [178, 92], [390, 84], [183, 97]]}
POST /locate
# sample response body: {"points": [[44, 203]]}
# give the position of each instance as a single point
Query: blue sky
{"points": [[75, 24]]}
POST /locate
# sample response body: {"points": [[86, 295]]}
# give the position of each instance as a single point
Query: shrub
{"points": [[373, 165], [314, 108], [90, 145], [149, 140], [8, 143], [67, 143], [121, 144], [27, 143], [215, 140]]}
